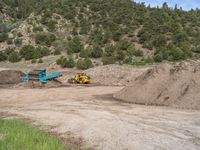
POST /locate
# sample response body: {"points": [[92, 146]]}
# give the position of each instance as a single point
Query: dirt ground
{"points": [[102, 122]]}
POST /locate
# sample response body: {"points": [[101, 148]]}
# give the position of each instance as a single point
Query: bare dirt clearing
{"points": [[102, 122]]}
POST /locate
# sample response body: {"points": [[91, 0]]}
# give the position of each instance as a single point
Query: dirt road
{"points": [[102, 122]]}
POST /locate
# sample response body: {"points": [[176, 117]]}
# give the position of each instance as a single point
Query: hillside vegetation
{"points": [[84, 32]]}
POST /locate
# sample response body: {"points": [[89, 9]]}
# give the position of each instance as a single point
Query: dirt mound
{"points": [[166, 85], [114, 74], [10, 77]]}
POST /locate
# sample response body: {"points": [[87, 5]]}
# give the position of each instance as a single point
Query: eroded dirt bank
{"points": [[103, 123]]}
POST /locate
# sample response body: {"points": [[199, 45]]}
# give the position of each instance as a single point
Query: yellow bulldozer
{"points": [[80, 78]]}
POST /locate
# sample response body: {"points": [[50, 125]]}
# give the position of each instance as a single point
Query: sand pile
{"points": [[166, 85], [114, 74], [10, 77]]}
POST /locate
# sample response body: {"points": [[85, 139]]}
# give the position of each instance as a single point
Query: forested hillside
{"points": [[113, 31]]}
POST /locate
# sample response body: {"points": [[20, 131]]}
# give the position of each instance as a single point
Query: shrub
{"points": [[84, 63], [3, 56], [37, 29], [116, 35], [27, 52], [8, 50], [128, 60], [120, 55], [45, 38], [123, 44], [196, 49], [109, 50], [70, 63], [138, 53], [158, 57], [57, 52], [51, 25], [14, 57], [66, 63], [85, 53], [40, 61], [59, 61], [19, 34], [160, 41], [18, 42], [75, 45], [41, 52], [3, 37], [96, 52], [108, 60], [9, 41], [33, 61], [177, 54]]}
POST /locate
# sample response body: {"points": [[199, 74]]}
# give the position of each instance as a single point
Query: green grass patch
{"points": [[19, 135]]}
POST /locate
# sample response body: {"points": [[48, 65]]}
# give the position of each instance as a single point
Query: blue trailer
{"points": [[40, 75]]}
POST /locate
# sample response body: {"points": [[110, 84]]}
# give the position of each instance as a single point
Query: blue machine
{"points": [[40, 75]]}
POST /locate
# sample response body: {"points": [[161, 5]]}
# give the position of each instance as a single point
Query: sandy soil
{"points": [[169, 85], [102, 122]]}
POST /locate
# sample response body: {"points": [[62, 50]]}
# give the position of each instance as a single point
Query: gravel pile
{"points": [[166, 85]]}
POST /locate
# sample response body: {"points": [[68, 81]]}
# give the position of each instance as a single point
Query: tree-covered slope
{"points": [[117, 31]]}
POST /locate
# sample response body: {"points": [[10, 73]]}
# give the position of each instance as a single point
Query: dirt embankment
{"points": [[10, 77], [115, 74], [166, 85]]}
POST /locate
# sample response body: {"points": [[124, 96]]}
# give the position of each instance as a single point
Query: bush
{"points": [[41, 52], [85, 53], [40, 61], [96, 52], [14, 57], [196, 49], [3, 56], [37, 29], [84, 63], [120, 55], [33, 61], [158, 57], [116, 35], [108, 60], [70, 63], [45, 38], [59, 61], [138, 53], [66, 63], [57, 52], [123, 44], [109, 50], [128, 60], [177, 54], [3, 37], [75, 45], [19, 34], [8, 50], [29, 52], [160, 41], [18, 42], [171, 53], [9, 41], [51, 25]]}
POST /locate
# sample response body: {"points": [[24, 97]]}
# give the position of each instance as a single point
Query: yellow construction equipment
{"points": [[80, 78]]}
